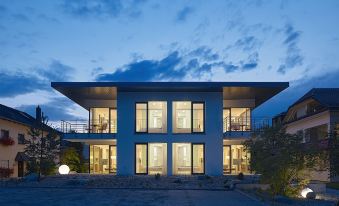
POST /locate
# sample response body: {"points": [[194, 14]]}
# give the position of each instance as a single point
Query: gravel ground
{"points": [[121, 197]]}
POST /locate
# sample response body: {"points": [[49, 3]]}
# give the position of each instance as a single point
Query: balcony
{"points": [[95, 126], [243, 126]]}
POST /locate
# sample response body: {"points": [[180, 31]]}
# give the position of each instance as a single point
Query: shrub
{"points": [[157, 176], [240, 176]]}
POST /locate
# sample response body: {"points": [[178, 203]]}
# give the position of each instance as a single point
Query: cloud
{"points": [[247, 43], [102, 8], [18, 83], [184, 13], [56, 71], [293, 54], [177, 65], [39, 79]]}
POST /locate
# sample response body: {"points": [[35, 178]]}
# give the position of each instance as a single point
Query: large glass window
{"points": [[157, 117], [151, 158], [157, 158], [198, 117], [188, 158], [182, 159], [141, 158], [102, 159], [184, 121], [237, 119], [235, 159], [198, 159], [103, 120], [151, 117]]}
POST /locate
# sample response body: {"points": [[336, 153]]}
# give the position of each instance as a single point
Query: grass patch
{"points": [[333, 185]]}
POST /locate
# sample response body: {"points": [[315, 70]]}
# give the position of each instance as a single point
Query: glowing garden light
{"points": [[305, 191], [63, 169]]}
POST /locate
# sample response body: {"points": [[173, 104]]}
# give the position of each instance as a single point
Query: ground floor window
{"points": [[103, 159], [188, 158], [151, 158], [235, 159]]}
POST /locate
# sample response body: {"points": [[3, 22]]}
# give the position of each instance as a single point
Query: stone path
{"points": [[121, 197]]}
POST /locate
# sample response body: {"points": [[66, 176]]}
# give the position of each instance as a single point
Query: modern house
{"points": [[167, 128], [315, 115], [14, 127]]}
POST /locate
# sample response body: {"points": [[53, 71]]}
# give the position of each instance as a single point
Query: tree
{"points": [[333, 152], [42, 149], [281, 159]]}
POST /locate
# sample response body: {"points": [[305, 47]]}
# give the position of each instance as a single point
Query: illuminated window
{"points": [[141, 158], [102, 159], [184, 121], [237, 119], [188, 158], [235, 159], [103, 120], [151, 158], [151, 117]]}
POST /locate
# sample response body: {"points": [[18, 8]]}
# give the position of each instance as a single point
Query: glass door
{"points": [[198, 158]]}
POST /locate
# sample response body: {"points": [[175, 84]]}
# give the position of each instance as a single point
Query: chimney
{"points": [[38, 114]]}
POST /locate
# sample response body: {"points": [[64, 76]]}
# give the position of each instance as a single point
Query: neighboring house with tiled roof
{"points": [[14, 127], [315, 115]]}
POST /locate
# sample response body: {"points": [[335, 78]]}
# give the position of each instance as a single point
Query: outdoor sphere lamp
{"points": [[305, 191], [63, 169]]}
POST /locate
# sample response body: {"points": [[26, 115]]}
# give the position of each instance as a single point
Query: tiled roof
{"points": [[328, 97], [18, 116]]}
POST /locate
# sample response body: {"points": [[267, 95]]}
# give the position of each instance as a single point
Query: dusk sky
{"points": [[144, 40]]}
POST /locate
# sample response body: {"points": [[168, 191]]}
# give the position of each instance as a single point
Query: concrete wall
{"points": [[126, 137]]}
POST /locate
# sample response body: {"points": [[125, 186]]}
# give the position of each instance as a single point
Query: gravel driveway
{"points": [[62, 196]]}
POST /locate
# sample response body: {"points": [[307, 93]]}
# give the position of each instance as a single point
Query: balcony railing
{"points": [[245, 124], [92, 126]]}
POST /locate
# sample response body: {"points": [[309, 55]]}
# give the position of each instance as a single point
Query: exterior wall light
{"points": [[305, 191], [63, 169]]}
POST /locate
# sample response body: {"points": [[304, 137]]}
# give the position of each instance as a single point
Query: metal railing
{"points": [[92, 126], [245, 124]]}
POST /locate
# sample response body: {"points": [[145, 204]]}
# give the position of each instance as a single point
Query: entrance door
{"points": [[20, 168]]}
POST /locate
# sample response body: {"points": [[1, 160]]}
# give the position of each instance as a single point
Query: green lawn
{"points": [[333, 185]]}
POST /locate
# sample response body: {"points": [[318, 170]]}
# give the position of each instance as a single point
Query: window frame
{"points": [[204, 117], [230, 161], [204, 152], [135, 158], [230, 117], [21, 141], [109, 119], [2, 131], [147, 117]]}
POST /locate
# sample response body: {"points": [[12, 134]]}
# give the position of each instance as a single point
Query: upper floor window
{"points": [[237, 119], [188, 117], [21, 139], [103, 120], [4, 134], [151, 117]]}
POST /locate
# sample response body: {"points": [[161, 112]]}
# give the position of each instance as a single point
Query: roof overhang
{"points": [[80, 92]]}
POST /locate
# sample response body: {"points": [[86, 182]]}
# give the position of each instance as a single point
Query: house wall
{"points": [[308, 122], [126, 136], [10, 152]]}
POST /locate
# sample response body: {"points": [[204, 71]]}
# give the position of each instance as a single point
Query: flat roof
{"points": [[82, 91]]}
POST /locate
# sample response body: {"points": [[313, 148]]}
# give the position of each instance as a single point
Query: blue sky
{"points": [[144, 40]]}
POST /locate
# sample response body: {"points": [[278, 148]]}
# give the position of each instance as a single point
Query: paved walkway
{"points": [[54, 197]]}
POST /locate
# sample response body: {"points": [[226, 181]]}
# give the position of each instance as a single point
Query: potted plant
{"points": [[7, 141]]}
